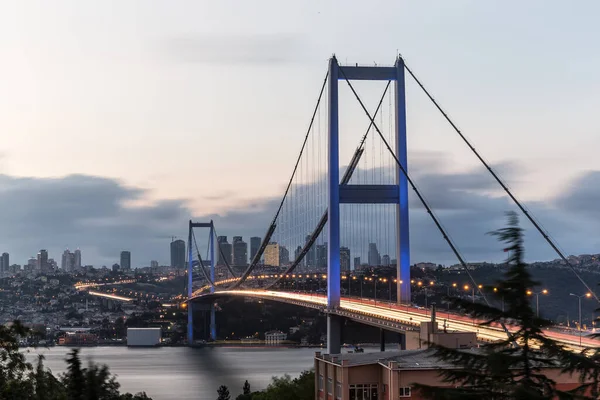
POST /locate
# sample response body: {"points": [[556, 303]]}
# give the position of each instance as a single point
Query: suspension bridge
{"points": [[331, 211]]}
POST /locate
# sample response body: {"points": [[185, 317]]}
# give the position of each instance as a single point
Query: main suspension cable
{"points": [[526, 212], [345, 179], [420, 196], [201, 264], [223, 254], [271, 228]]}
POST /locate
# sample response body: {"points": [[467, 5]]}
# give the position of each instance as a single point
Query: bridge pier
{"points": [[190, 322], [381, 339], [334, 334], [213, 323]]}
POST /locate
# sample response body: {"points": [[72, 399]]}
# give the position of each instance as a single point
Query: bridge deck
{"points": [[395, 317]]}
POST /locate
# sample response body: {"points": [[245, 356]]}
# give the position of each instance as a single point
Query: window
{"points": [[405, 392], [338, 390], [321, 382], [363, 392], [329, 386]]}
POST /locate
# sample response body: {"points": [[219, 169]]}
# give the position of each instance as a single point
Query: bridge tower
{"points": [[365, 194], [191, 245]]}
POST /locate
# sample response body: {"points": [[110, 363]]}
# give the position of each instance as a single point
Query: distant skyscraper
{"points": [[4, 263], [240, 252], [226, 250], [284, 255], [67, 261], [125, 260], [255, 243], [356, 263], [297, 254], [311, 255], [272, 254], [344, 259], [385, 260], [154, 264], [322, 255], [42, 261], [374, 258], [77, 260], [177, 254]]}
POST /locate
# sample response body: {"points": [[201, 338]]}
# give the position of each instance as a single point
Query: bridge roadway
{"points": [[393, 317]]}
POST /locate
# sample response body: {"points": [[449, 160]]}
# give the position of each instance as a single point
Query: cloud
{"points": [[87, 212], [94, 214], [234, 49], [582, 197]]}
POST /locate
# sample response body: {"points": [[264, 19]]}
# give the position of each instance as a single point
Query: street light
{"points": [[588, 295], [448, 287], [466, 287], [496, 291], [537, 299]]}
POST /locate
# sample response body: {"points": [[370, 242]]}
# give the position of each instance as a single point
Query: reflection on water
{"points": [[185, 373]]}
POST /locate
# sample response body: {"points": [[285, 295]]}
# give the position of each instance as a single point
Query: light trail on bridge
{"points": [[110, 296], [405, 315], [85, 285]]}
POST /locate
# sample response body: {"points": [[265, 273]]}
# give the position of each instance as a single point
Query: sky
{"points": [[121, 121]]}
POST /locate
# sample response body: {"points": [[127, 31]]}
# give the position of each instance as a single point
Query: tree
{"points": [[100, 384], [511, 368], [46, 386], [223, 393], [74, 378], [246, 388], [92, 383]]}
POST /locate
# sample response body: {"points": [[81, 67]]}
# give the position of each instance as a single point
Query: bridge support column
{"points": [[213, 323], [402, 226], [190, 321], [334, 334], [333, 199], [381, 339]]}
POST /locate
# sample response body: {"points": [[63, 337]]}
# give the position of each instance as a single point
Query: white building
{"points": [[275, 337]]}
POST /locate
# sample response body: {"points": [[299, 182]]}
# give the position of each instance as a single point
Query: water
{"points": [[182, 373]]}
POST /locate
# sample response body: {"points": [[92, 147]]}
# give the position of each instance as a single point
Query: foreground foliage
{"points": [[284, 388], [19, 380], [511, 368]]}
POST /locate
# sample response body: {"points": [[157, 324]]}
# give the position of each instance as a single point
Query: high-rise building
{"points": [[240, 252], [385, 260], [77, 260], [374, 257], [297, 254], [255, 243], [223, 256], [272, 254], [177, 254], [284, 255], [322, 256], [311, 255], [154, 264], [356, 263], [125, 260], [344, 259], [4, 263], [67, 262], [42, 261]]}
